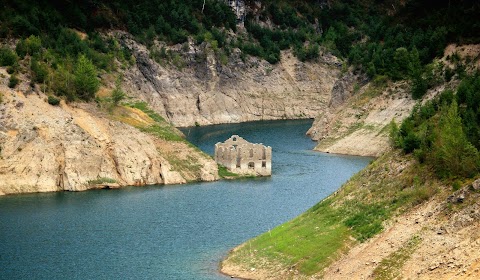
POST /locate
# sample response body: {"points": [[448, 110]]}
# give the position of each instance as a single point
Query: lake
{"points": [[168, 232]]}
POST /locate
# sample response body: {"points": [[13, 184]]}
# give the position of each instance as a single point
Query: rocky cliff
{"points": [[202, 90], [359, 112], [76, 147], [358, 124]]}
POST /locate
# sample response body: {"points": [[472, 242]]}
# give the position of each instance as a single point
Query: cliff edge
{"points": [[76, 147]]}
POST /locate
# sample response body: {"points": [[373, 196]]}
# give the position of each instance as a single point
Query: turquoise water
{"points": [[172, 232]]}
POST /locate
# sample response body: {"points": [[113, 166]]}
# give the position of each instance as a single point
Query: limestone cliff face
{"points": [[75, 147], [356, 123], [356, 120], [206, 91]]}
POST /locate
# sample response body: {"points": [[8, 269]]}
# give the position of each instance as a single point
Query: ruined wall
{"points": [[243, 157]]}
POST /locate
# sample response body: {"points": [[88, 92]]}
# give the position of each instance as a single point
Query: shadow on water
{"points": [[167, 232]]}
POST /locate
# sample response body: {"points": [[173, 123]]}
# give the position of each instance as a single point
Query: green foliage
{"points": [[39, 71], [444, 132], [224, 173], [7, 57], [161, 128], [452, 154], [13, 82], [117, 93], [86, 80], [398, 47], [31, 46], [52, 100], [367, 221], [309, 242], [63, 82], [103, 180]]}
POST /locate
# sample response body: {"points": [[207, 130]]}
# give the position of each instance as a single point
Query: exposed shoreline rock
{"points": [[208, 91], [45, 148]]}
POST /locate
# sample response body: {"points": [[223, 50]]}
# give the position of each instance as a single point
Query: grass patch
{"points": [[163, 132], [306, 243], [387, 187], [223, 172], [366, 221], [184, 163], [160, 128], [389, 268], [102, 180]]}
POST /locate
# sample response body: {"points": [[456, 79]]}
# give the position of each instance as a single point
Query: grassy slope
{"points": [[142, 117], [309, 243]]}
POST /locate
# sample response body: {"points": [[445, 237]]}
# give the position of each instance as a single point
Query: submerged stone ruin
{"points": [[242, 157]]}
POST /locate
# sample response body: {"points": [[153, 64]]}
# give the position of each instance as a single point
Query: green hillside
{"points": [[376, 37]]}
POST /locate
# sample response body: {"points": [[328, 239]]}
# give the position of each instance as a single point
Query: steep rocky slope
{"points": [[77, 147], [358, 114], [207, 91], [433, 236], [396, 219], [358, 126]]}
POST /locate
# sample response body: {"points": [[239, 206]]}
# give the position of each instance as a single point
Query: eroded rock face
{"points": [[357, 123], [207, 91], [53, 148]]}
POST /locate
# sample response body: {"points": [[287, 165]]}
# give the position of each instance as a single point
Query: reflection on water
{"points": [[173, 232]]}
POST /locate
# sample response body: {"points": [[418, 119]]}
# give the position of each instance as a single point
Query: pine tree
{"points": [[86, 80]]}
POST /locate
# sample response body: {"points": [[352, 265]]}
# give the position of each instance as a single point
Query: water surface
{"points": [[172, 232]]}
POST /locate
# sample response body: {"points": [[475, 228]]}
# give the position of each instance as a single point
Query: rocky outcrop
{"points": [[358, 125], [358, 114], [204, 89], [344, 88], [75, 147]]}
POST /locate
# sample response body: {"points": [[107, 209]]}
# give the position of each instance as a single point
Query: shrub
{"points": [[13, 82], [39, 71], [63, 83], [52, 100], [7, 57], [31, 46]]}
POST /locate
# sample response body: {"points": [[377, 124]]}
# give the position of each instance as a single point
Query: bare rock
{"points": [[209, 91], [55, 148]]}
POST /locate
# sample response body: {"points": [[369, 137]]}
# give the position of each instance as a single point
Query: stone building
{"points": [[242, 157]]}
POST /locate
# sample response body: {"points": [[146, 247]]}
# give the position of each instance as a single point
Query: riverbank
{"points": [[168, 232], [79, 146], [394, 218]]}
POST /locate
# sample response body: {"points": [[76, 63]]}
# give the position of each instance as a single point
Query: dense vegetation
{"points": [[445, 132], [376, 37]]}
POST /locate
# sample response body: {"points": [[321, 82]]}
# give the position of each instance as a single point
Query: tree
{"points": [[117, 93], [31, 46], [86, 80], [452, 153]]}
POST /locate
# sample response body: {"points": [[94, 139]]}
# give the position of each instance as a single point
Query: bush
{"points": [[39, 71], [31, 46], [13, 82], [63, 83], [52, 100], [7, 57]]}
